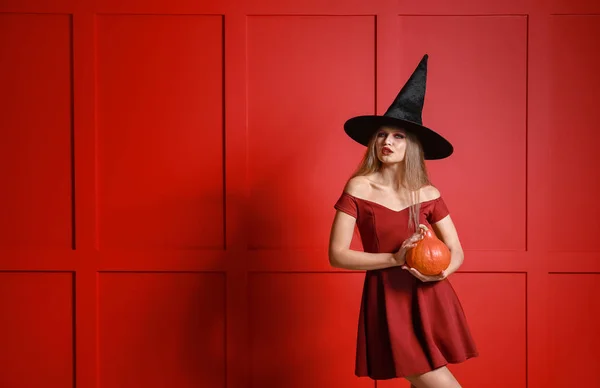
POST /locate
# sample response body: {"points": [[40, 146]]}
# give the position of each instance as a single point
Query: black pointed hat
{"points": [[406, 113]]}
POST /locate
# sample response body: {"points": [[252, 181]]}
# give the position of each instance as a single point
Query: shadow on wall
{"points": [[302, 324], [202, 337], [297, 322]]}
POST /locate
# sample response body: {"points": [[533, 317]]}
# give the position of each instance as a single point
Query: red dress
{"points": [[405, 326]]}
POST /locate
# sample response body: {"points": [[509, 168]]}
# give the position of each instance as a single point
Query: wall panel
{"points": [[159, 329], [309, 334], [574, 317], [574, 82], [476, 96], [160, 131], [36, 329], [36, 129], [291, 84]]}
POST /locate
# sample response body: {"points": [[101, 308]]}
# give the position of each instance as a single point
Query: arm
{"points": [[446, 231], [340, 254]]}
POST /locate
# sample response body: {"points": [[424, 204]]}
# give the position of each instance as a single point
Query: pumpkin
{"points": [[430, 256]]}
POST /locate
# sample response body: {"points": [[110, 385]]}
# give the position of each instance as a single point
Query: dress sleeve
{"points": [[438, 211], [347, 204]]}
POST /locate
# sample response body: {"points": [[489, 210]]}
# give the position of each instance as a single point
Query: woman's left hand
{"points": [[425, 278]]}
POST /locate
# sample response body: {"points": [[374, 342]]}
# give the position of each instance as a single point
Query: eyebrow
{"points": [[402, 132]]}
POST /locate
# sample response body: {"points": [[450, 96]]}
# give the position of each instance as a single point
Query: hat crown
{"points": [[404, 112], [408, 104]]}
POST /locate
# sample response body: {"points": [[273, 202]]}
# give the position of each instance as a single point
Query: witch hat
{"points": [[406, 113]]}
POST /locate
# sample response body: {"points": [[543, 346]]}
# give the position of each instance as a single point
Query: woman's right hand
{"points": [[409, 243]]}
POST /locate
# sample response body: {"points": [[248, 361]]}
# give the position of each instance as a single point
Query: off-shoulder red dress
{"points": [[405, 326]]}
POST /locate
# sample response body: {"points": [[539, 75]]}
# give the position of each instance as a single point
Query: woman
{"points": [[410, 325]]}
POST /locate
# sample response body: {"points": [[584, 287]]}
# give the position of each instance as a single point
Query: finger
{"points": [[417, 274], [434, 278]]}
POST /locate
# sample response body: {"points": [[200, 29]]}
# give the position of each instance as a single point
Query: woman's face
{"points": [[390, 145]]}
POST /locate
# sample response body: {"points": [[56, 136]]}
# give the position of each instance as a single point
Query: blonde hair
{"points": [[415, 173]]}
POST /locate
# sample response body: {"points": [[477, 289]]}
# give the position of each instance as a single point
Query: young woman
{"points": [[410, 325]]}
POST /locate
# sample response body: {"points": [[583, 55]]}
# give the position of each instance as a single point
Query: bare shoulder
{"points": [[358, 186], [429, 193]]}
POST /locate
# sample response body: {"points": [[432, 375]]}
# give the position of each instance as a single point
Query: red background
{"points": [[170, 168]]}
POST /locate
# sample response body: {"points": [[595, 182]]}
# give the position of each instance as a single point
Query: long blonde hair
{"points": [[415, 171]]}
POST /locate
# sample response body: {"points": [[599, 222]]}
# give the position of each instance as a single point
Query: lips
{"points": [[386, 151]]}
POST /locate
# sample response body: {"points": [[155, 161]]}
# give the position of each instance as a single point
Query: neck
{"points": [[392, 175]]}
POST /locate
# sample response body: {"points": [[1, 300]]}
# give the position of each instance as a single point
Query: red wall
{"points": [[170, 170]]}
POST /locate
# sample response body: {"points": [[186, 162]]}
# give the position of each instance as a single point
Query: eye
{"points": [[400, 136], [381, 134]]}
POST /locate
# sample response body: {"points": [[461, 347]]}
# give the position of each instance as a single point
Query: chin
{"points": [[390, 162]]}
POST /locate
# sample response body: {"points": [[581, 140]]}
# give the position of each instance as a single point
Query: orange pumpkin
{"points": [[430, 256]]}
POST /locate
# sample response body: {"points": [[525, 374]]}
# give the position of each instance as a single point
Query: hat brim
{"points": [[362, 128]]}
